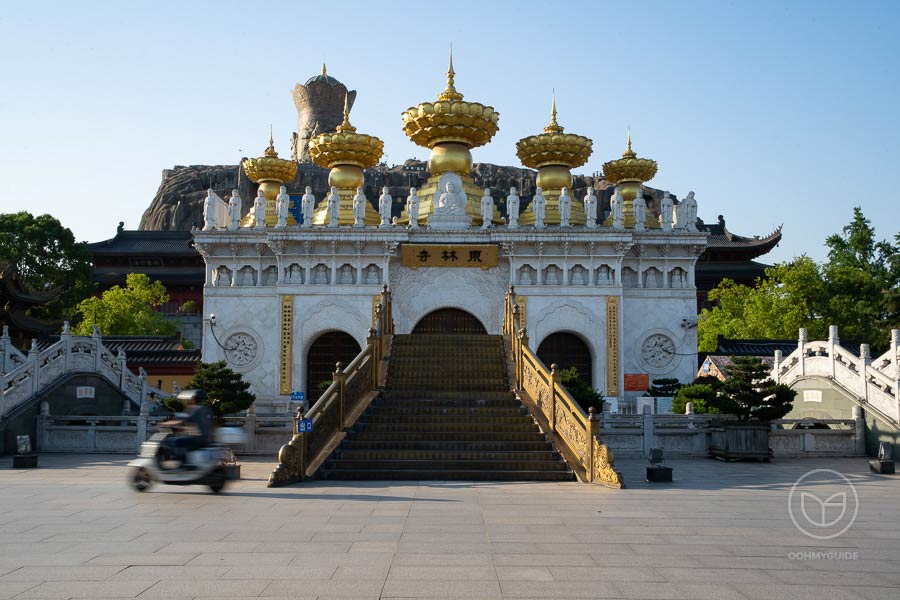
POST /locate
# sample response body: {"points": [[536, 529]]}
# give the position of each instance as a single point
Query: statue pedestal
{"points": [[445, 222]]}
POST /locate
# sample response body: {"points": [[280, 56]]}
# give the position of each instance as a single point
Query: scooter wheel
{"points": [[217, 481], [140, 479]]}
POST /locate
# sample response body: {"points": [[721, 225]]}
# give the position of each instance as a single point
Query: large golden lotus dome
{"points": [[270, 167], [450, 119], [345, 146], [554, 147], [629, 168]]}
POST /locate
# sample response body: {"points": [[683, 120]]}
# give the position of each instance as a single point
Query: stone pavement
{"points": [[74, 529]]}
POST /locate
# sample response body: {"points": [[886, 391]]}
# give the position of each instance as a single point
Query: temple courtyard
{"points": [[74, 529]]}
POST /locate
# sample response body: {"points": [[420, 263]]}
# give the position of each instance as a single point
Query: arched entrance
{"points": [[328, 349], [567, 350], [449, 320]]}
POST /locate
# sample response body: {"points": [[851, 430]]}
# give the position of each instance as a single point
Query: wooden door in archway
{"points": [[567, 350], [449, 320], [328, 349]]}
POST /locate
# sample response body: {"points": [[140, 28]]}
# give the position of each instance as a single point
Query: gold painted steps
{"points": [[447, 414]]}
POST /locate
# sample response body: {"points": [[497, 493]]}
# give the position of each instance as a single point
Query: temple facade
{"points": [[292, 284]]}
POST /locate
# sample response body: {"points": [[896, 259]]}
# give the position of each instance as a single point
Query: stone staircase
{"points": [[447, 414]]}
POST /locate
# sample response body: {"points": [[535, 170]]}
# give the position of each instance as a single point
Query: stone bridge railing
{"points": [[874, 383], [23, 376]]}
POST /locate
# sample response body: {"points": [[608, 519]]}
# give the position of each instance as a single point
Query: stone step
{"points": [[449, 396], [335, 464], [449, 436], [426, 428], [352, 444], [432, 475], [446, 455], [377, 417], [432, 412], [459, 386]]}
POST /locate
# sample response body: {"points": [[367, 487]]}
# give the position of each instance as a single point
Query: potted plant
{"points": [[749, 394], [227, 393]]}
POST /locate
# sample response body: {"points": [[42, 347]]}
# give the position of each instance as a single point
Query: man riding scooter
{"points": [[194, 431]]}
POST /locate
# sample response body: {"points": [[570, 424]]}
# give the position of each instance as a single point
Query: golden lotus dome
{"points": [[554, 153], [450, 127], [554, 147], [345, 146], [270, 167], [629, 169]]}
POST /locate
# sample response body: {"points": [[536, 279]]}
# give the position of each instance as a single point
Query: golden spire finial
{"points": [[450, 93], [270, 151], [553, 127], [324, 72], [346, 126], [629, 153]]}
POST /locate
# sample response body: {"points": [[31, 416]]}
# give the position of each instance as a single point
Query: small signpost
{"points": [[298, 396], [304, 426]]}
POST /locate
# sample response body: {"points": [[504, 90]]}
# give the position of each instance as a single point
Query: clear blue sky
{"points": [[770, 112]]}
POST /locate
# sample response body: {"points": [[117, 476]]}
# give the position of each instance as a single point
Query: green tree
{"points": [[47, 256], [702, 395], [581, 392], [127, 311], [750, 394], [855, 289], [664, 388], [226, 390]]}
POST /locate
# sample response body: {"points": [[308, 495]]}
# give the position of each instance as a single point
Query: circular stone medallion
{"points": [[240, 349], [658, 350]]}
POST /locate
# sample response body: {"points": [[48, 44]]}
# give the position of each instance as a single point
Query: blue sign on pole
{"points": [[304, 426], [298, 396]]}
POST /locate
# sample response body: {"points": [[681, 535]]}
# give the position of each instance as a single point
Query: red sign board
{"points": [[636, 382]]}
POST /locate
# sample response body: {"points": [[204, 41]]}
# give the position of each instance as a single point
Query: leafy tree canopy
{"points": [[856, 289], [702, 395], [127, 311], [581, 392], [750, 394], [47, 256], [226, 390]]}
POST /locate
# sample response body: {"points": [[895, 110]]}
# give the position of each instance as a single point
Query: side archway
{"points": [[449, 320], [567, 350], [327, 349]]}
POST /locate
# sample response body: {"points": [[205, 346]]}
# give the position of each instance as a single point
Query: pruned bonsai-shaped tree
{"points": [[581, 392], [750, 394], [701, 395], [226, 390]]}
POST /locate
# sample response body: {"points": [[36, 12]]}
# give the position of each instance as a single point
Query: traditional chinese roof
{"points": [[723, 245], [728, 347], [16, 299], [142, 351], [149, 243]]}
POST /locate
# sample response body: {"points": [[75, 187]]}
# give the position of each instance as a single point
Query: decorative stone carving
{"points": [[590, 209], [658, 350], [234, 210], [223, 277], [617, 205], [240, 349], [565, 208], [384, 207], [640, 211], [307, 206], [259, 210], [512, 208], [450, 209], [539, 203], [334, 206], [359, 208], [282, 205], [412, 208], [293, 274], [487, 209], [665, 216]]}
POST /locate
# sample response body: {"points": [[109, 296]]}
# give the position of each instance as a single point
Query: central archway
{"points": [[567, 350], [328, 349], [449, 320]]}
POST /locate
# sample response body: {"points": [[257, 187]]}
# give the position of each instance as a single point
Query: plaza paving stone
{"points": [[74, 529]]}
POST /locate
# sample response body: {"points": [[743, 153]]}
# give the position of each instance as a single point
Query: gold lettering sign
{"points": [[483, 256], [287, 345], [522, 303], [612, 346]]}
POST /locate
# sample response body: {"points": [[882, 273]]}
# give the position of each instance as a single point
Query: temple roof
{"points": [[144, 350], [144, 242], [722, 244], [323, 77], [764, 347]]}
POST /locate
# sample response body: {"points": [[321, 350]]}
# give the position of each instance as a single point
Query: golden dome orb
{"points": [[554, 146], [270, 167], [450, 119], [629, 167], [345, 146]]}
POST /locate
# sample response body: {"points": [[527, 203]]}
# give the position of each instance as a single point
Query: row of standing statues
{"points": [[220, 214]]}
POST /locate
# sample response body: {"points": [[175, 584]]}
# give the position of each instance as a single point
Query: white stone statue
{"points": [[412, 208], [590, 209], [650, 281], [539, 205], [617, 205], [215, 211], [665, 215], [307, 206], [334, 208], [451, 201], [384, 207], [359, 208], [640, 211], [487, 209], [690, 212], [234, 210], [512, 208], [282, 204], [565, 207], [259, 209]]}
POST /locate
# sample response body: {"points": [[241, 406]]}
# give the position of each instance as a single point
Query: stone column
{"points": [[859, 431], [649, 437]]}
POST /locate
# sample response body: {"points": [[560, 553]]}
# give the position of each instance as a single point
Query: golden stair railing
{"points": [[576, 431], [352, 390]]}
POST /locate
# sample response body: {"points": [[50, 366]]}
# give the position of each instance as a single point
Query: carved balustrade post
{"points": [[554, 383], [34, 357], [776, 367], [97, 341], [5, 352], [801, 346], [340, 378], [895, 357], [375, 356], [593, 433], [833, 340], [865, 359], [520, 359], [66, 338]]}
